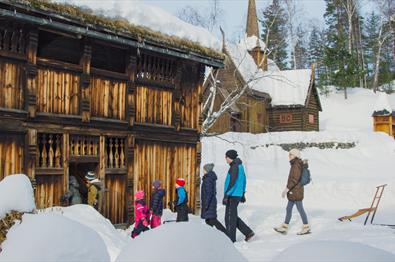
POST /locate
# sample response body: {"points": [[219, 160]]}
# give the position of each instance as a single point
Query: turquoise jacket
{"points": [[235, 182]]}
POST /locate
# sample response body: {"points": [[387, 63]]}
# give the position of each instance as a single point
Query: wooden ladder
{"points": [[375, 203]]}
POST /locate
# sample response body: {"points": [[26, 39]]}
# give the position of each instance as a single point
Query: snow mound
{"points": [[383, 104], [16, 193], [52, 237], [333, 251], [89, 217], [191, 241]]}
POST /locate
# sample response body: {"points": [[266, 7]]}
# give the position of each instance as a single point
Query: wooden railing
{"points": [[49, 151], [156, 69], [12, 40], [84, 145]]}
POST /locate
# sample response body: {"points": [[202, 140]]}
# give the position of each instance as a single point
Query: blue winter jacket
{"points": [[208, 196], [235, 183], [181, 196]]}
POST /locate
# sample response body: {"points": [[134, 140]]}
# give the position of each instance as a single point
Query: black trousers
{"points": [[182, 213], [140, 228], [233, 221], [213, 222]]}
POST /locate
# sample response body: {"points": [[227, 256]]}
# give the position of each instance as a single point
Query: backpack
{"points": [[306, 177]]}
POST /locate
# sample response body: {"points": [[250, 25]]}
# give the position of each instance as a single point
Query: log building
{"points": [[275, 100], [81, 92]]}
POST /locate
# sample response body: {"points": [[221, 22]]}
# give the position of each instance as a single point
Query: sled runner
{"points": [[373, 207]]}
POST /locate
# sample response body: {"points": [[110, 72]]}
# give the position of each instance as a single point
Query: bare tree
{"points": [[386, 32], [290, 8]]}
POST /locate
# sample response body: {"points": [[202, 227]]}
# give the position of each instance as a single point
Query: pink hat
{"points": [[139, 195]]}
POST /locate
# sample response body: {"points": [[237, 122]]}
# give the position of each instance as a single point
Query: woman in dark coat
{"points": [[295, 194], [209, 198]]}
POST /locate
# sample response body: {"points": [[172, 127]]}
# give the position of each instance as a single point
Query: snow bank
{"points": [[353, 114], [138, 13], [383, 104], [333, 251], [191, 241], [88, 216], [52, 237], [16, 193]]}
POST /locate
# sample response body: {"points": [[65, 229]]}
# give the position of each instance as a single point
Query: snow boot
{"points": [[249, 236], [283, 229], [305, 230]]}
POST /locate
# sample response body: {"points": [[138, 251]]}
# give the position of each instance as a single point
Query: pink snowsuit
{"points": [[141, 218]]}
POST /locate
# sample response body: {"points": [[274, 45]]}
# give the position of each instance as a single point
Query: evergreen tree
{"points": [[370, 40], [274, 33]]}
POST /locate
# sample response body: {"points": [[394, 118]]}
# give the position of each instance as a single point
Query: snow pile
{"points": [[16, 194], [333, 251], [288, 87], [52, 237], [89, 217], [382, 104], [353, 114], [138, 13], [191, 241]]}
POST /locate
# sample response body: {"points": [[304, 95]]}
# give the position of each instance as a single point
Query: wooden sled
{"points": [[373, 207]]}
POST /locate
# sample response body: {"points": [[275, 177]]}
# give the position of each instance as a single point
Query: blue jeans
{"points": [[299, 206]]}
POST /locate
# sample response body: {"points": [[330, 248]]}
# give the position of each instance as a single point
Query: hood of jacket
{"points": [[210, 176], [236, 161]]}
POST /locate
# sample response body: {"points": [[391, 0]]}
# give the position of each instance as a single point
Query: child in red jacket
{"points": [[141, 214]]}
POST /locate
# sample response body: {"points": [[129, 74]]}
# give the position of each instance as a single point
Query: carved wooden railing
{"points": [[84, 146], [49, 151], [115, 152], [155, 69], [12, 39]]}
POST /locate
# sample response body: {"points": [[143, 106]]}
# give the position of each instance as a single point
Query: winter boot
{"points": [[305, 230], [283, 229], [249, 236]]}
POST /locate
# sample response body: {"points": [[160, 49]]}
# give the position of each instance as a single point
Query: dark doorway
{"points": [[79, 170]]}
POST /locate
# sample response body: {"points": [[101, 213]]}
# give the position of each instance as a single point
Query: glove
{"points": [[243, 199], [284, 193], [225, 200]]}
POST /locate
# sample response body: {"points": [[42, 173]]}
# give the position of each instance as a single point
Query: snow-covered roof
{"points": [[286, 88], [129, 18], [383, 106], [249, 43]]}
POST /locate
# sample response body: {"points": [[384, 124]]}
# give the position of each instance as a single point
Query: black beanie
{"points": [[232, 154]]}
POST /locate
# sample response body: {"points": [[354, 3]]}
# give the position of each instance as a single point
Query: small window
{"points": [[311, 119], [285, 118], [59, 47], [108, 58]]}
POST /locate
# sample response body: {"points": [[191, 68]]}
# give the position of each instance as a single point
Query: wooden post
{"points": [[31, 155], [200, 97], [31, 74], [130, 188], [197, 175], [102, 172], [85, 83], [131, 87], [177, 97], [66, 157]]}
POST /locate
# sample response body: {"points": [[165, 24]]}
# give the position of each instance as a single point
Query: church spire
{"points": [[252, 28]]}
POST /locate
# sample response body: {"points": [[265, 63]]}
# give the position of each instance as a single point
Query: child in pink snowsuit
{"points": [[141, 214]]}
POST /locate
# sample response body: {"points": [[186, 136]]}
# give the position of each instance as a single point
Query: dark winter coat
{"points": [[157, 201], [181, 204], [296, 191], [209, 196]]}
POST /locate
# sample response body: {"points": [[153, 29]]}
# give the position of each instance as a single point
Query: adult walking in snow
{"points": [[234, 190], [295, 194], [157, 203], [209, 198]]}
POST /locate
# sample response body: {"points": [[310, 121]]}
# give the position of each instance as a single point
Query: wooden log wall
{"points": [[115, 198], [11, 94], [296, 124], [154, 106], [108, 98], [49, 189], [11, 154], [57, 92], [312, 109], [255, 116], [166, 162], [190, 108]]}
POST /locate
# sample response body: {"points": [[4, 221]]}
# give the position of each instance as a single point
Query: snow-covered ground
{"points": [[344, 181]]}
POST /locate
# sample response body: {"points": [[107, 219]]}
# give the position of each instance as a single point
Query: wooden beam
{"points": [[131, 183], [85, 82], [31, 73], [130, 89]]}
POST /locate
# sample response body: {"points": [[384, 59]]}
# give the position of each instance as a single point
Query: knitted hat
{"points": [[232, 154], [139, 195], [90, 176], [180, 181], [295, 152], [208, 167], [156, 184]]}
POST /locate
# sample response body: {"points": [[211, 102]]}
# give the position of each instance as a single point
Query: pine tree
{"points": [[371, 31], [274, 33]]}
